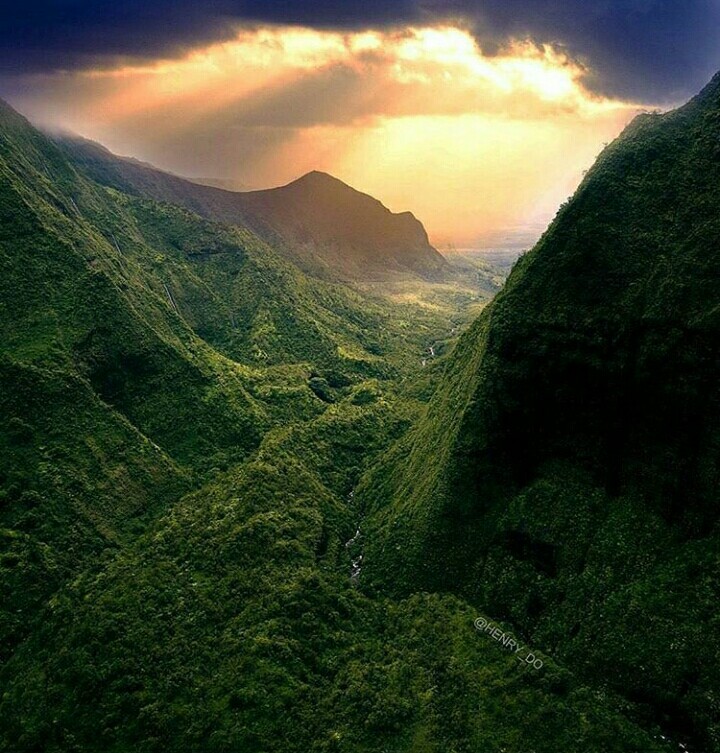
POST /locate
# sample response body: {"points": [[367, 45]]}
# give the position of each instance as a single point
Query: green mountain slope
{"points": [[566, 476], [144, 347], [328, 228], [96, 436], [73, 302]]}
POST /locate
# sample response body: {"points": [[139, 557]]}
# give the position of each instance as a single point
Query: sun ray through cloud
{"points": [[275, 101]]}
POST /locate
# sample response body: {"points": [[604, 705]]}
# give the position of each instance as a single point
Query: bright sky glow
{"points": [[419, 117]]}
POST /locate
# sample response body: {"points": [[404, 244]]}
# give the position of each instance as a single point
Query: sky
{"points": [[480, 116]]}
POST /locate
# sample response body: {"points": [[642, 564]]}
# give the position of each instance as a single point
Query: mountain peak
{"points": [[710, 94], [318, 178], [350, 229], [317, 175], [10, 115]]}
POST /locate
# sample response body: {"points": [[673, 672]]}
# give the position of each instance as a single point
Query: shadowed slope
{"points": [[566, 476]]}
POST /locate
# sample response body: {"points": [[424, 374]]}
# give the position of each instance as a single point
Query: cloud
{"points": [[418, 116], [41, 36], [286, 77], [650, 50], [654, 50]]}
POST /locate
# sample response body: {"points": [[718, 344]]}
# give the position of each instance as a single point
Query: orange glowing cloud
{"points": [[420, 117]]}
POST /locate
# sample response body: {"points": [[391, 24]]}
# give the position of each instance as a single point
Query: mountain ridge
{"points": [[328, 228]]}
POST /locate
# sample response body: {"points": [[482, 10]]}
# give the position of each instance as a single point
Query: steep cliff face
{"points": [[566, 476], [328, 228]]}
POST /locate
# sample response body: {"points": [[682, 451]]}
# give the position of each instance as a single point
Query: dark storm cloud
{"points": [[654, 50], [643, 49], [57, 34]]}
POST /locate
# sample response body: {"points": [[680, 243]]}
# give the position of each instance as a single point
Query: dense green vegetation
{"points": [[199, 436], [231, 624], [566, 475]]}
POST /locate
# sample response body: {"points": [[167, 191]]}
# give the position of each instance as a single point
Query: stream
{"points": [[354, 549], [430, 352]]}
